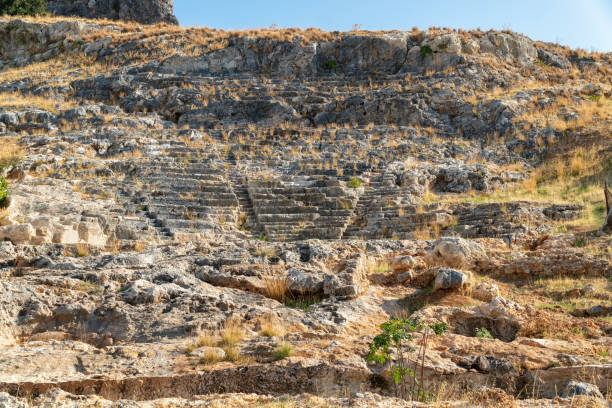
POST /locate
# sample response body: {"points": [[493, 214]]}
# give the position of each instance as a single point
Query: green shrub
{"points": [[594, 97], [483, 333], [23, 7], [354, 182], [397, 336], [283, 351], [426, 49], [331, 64], [4, 187]]}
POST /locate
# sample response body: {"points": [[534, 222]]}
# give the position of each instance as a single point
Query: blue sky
{"points": [[579, 23]]}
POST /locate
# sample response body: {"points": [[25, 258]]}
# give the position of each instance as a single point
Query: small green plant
{"points": [[594, 97], [4, 190], [302, 302], [397, 335], [23, 7], [283, 351], [580, 242], [381, 267], [483, 333], [425, 50], [354, 182], [331, 65]]}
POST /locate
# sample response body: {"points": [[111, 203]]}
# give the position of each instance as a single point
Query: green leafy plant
{"points": [[396, 337], [283, 351], [4, 190], [331, 65], [594, 97], [354, 182], [426, 49], [483, 333], [23, 7]]}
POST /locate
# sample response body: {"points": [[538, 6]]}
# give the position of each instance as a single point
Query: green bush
{"points": [[426, 49], [283, 351], [483, 333], [4, 187], [331, 64], [23, 7], [354, 182], [393, 345]]}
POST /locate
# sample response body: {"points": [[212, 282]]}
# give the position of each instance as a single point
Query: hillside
{"points": [[210, 218]]}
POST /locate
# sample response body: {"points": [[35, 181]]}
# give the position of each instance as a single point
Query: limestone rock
{"points": [[17, 233], [451, 279], [147, 12], [456, 252], [581, 388], [485, 291]]}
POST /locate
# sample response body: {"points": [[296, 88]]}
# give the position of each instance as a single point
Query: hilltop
{"points": [[202, 217]]}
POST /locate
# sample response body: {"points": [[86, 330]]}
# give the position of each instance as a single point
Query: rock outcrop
{"points": [[201, 218], [142, 11]]}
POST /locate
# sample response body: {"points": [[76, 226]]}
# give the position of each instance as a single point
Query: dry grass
{"points": [[270, 327], [276, 288], [207, 339], [379, 267], [232, 333], [82, 250], [11, 152], [59, 70], [20, 101], [576, 177], [210, 356]]}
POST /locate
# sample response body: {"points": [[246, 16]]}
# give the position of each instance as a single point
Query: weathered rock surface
{"points": [[193, 212], [142, 11]]}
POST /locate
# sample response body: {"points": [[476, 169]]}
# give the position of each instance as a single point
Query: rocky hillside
{"points": [[142, 11], [198, 217]]}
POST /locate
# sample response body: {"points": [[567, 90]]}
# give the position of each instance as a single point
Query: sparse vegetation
{"points": [[354, 182], [330, 65], [425, 51], [483, 333], [397, 335], [23, 7], [283, 351], [4, 190]]}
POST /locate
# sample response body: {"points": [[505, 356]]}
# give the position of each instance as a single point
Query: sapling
{"points": [[397, 335]]}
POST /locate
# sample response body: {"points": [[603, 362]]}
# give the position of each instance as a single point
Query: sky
{"points": [[583, 24]]}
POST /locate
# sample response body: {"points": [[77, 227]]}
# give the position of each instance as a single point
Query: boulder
{"points": [[142, 11], [91, 233], [455, 252], [17, 233], [451, 279], [7, 251], [574, 388], [485, 291], [303, 282]]}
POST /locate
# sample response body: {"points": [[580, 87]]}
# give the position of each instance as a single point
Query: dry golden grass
{"points": [[570, 177], [11, 152], [276, 288], [232, 333], [59, 70], [270, 327], [207, 339], [19, 101], [82, 250], [210, 356]]}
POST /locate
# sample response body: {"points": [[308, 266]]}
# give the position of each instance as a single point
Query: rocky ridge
{"points": [[142, 11], [298, 188]]}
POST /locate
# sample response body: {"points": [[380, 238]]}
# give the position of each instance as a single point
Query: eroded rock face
{"points": [[142, 11], [242, 213]]}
